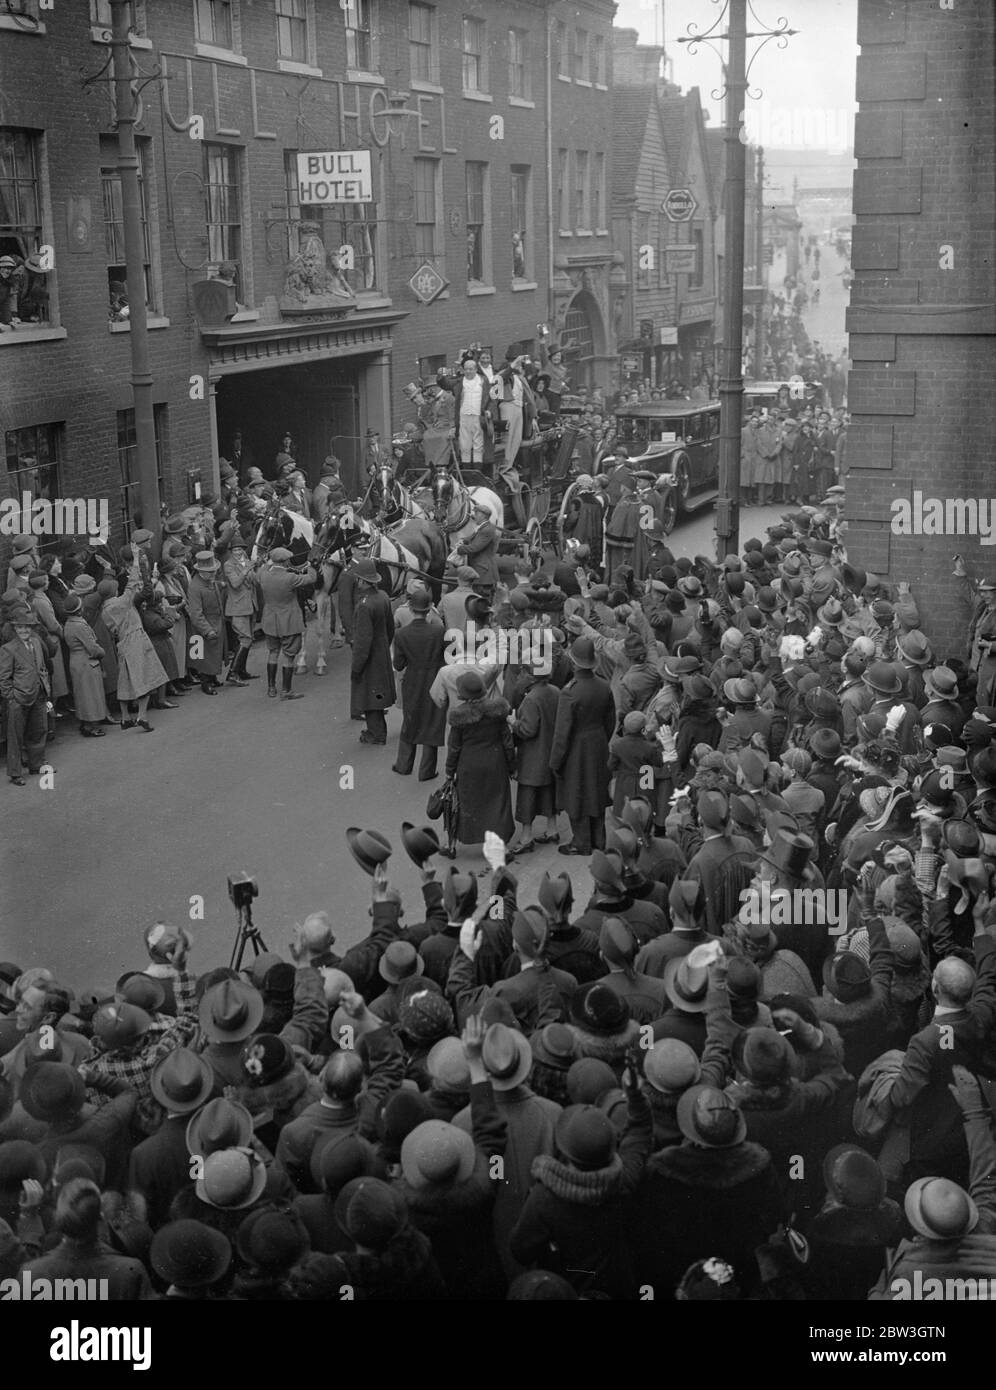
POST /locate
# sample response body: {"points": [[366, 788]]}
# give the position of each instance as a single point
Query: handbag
{"points": [[438, 798]]}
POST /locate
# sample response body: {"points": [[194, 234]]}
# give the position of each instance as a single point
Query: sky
{"points": [[808, 86]]}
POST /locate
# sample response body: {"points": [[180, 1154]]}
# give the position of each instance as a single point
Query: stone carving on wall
{"points": [[314, 282]]}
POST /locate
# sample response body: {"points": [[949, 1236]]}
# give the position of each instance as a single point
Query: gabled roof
{"points": [[674, 120], [630, 112]]}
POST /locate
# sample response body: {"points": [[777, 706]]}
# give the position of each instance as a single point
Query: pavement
{"points": [[143, 827]]}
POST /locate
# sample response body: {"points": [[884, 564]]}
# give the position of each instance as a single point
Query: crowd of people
{"points": [[752, 1061]]}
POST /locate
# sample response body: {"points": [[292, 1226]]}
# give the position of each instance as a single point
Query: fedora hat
{"points": [[190, 1254], [671, 1066], [709, 1117], [175, 525], [368, 847], [219, 1124], [607, 869], [371, 1212], [507, 1057], [420, 842], [436, 1152], [230, 1011], [146, 991], [846, 976], [941, 682], [233, 1179], [740, 692], [52, 1091], [366, 570], [624, 840], [400, 962], [686, 979], [939, 1209], [638, 814], [586, 1136], [447, 1065], [854, 577], [915, 648], [182, 1081], [791, 854]]}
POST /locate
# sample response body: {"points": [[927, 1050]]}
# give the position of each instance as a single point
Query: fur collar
{"points": [[296, 1089], [591, 1189], [692, 1166], [402, 1261], [610, 1048], [478, 711]]}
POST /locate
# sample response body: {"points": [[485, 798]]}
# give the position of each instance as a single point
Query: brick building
{"points": [[922, 320], [456, 107]]}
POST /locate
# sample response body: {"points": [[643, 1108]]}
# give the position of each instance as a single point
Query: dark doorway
{"points": [[316, 403]]}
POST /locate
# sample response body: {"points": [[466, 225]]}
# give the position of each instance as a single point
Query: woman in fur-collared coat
{"points": [[481, 757]]}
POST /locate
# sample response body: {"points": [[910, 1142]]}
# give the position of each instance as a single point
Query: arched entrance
{"points": [[583, 339]]}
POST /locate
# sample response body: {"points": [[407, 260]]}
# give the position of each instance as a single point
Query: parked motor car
{"points": [[679, 439]]}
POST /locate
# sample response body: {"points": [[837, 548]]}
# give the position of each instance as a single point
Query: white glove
{"points": [[894, 718], [468, 938], [494, 850]]}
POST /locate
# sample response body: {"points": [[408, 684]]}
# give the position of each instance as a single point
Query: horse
{"points": [[344, 535], [403, 520], [452, 507]]}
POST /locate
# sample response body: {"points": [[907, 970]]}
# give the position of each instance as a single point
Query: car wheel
{"points": [[681, 469], [669, 515]]}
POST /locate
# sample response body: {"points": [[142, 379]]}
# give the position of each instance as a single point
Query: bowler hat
{"points": [[709, 1117], [420, 842], [825, 744], [145, 991], [555, 1046], [582, 653], [120, 1025], [821, 703], [271, 1239], [52, 1091], [447, 1065], [182, 1081], [853, 1178], [671, 1066], [190, 1254], [470, 685], [399, 962], [230, 1011], [436, 1152], [763, 1056], [598, 1009], [586, 1136], [368, 847], [366, 570], [371, 1212], [232, 1179], [883, 678]]}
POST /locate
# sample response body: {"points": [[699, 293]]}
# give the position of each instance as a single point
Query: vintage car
{"points": [[679, 439], [764, 394]]}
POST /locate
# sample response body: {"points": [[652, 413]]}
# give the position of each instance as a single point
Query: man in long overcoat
{"points": [[586, 716], [536, 719], [418, 653], [372, 688], [206, 611]]}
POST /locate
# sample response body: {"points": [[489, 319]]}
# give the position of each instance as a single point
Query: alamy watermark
{"points": [[503, 646], [771, 906], [798, 127], [945, 516], [32, 1288], [56, 516]]}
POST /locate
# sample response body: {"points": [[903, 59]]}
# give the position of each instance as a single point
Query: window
{"points": [[597, 66], [579, 346], [21, 16], [563, 208], [214, 22], [478, 248], [697, 277], [662, 275], [21, 232], [560, 49], [128, 464], [475, 66], [580, 65], [598, 185], [101, 16], [428, 209], [422, 46], [32, 455], [582, 191], [346, 224], [359, 44], [519, 84], [292, 30], [110, 182], [429, 366], [522, 222], [223, 210]]}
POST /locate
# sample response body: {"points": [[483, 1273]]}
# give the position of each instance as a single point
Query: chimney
{"points": [[634, 63]]}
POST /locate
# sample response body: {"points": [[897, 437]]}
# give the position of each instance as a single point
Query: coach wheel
{"points": [[533, 536]]}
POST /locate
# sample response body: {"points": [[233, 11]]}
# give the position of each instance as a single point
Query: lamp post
{"points": [[736, 88], [126, 107]]}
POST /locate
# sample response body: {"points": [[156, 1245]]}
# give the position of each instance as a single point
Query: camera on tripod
{"points": [[242, 889]]}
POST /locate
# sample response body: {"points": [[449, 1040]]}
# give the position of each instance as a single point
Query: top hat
{"points": [[420, 842], [368, 847], [791, 854]]}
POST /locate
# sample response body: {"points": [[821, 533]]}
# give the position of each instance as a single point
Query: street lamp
{"points": [[736, 72]]}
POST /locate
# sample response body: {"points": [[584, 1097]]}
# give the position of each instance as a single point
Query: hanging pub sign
{"points": [[327, 177]]}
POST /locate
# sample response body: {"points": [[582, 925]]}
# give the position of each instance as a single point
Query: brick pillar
{"points": [[922, 389]]}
